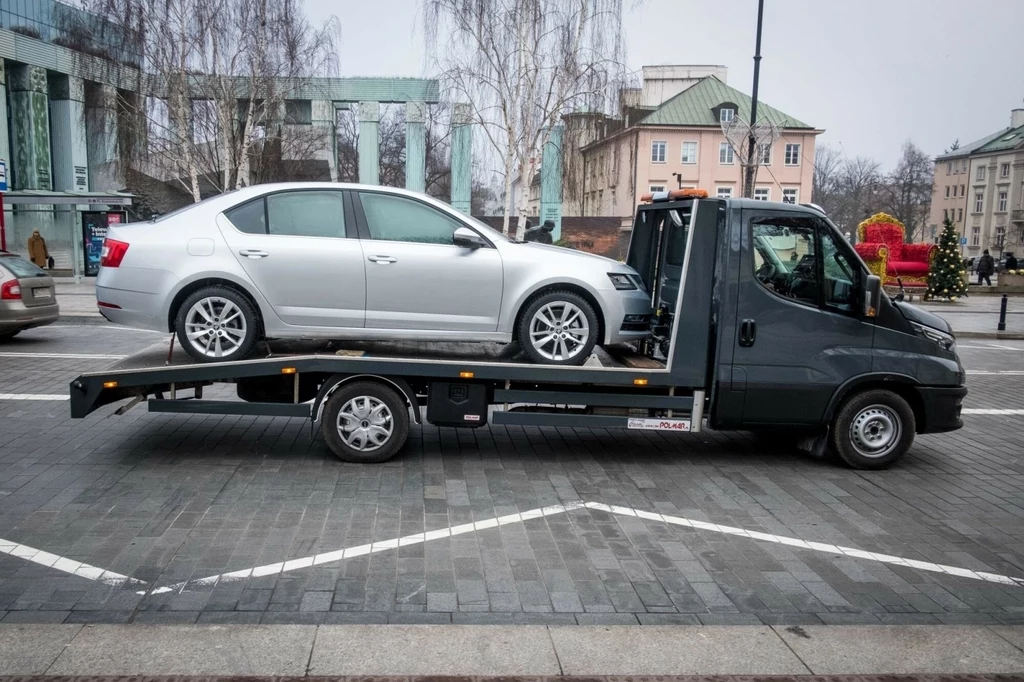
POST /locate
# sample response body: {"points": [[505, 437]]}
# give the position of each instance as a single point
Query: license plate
{"points": [[682, 425], [41, 293]]}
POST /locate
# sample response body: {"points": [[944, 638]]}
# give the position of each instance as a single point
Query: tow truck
{"points": [[763, 318]]}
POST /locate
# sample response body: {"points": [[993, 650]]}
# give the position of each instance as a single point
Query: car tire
{"points": [[873, 429], [227, 319], [543, 318], [365, 422]]}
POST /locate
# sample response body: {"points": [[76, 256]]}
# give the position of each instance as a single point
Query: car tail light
{"points": [[10, 291], [113, 253]]}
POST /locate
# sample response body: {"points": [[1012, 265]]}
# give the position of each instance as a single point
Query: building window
{"points": [[959, 215], [726, 115], [976, 236], [947, 190], [762, 193], [980, 174], [1000, 236], [724, 192], [789, 195], [725, 157], [766, 154], [945, 214], [949, 167], [792, 155], [658, 151], [963, 167], [979, 202], [1002, 202], [689, 152], [657, 188], [1004, 170], [963, 190]]}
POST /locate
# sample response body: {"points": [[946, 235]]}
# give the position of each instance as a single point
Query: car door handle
{"points": [[383, 260], [253, 253], [748, 332]]}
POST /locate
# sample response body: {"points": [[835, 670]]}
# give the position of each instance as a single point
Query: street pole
{"points": [[751, 169]]}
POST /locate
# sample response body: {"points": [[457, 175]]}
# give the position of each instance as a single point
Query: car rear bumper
{"points": [[942, 406], [134, 297], [16, 316]]}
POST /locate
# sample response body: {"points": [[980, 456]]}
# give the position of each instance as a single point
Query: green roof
{"points": [[971, 147], [1011, 138], [692, 107]]}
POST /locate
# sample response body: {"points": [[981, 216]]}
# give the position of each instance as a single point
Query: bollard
{"points": [[1002, 315]]}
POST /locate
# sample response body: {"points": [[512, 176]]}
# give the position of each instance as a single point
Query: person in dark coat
{"points": [[37, 251], [986, 266], [1011, 262]]}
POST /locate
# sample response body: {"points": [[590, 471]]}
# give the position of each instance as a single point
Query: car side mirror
{"points": [[872, 295], [467, 238]]}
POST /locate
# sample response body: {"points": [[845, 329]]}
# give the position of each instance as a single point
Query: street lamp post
{"points": [[751, 170]]}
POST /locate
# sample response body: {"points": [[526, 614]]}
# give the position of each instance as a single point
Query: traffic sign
{"points": [[3, 176], [963, 241]]}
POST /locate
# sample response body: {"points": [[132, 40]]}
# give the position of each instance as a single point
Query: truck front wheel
{"points": [[873, 429], [365, 422]]}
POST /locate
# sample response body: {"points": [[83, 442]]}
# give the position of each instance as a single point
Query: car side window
{"points": [[785, 257], [249, 217], [398, 219], [307, 214]]}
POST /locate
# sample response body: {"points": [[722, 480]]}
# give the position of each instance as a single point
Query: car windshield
{"points": [[20, 267]]}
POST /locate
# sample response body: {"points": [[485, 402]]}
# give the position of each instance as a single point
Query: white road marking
{"points": [[38, 556], [1005, 372], [962, 345], [417, 538], [64, 356], [103, 326], [33, 396], [987, 411]]}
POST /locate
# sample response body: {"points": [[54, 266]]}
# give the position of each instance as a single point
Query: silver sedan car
{"points": [[340, 261]]}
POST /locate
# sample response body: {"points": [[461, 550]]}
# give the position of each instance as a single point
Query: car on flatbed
{"points": [[27, 296], [339, 261]]}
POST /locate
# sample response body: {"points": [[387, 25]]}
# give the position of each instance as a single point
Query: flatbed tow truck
{"points": [[763, 318]]}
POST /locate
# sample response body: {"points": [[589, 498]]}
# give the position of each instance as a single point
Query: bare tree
{"points": [[906, 192], [826, 185], [522, 64], [859, 181]]}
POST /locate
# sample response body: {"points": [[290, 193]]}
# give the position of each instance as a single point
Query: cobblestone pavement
{"points": [[167, 499]]}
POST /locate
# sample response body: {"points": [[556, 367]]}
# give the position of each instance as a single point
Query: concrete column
{"points": [[31, 127], [415, 146], [369, 143], [551, 182], [67, 134], [462, 157], [325, 121], [101, 137], [5, 144]]}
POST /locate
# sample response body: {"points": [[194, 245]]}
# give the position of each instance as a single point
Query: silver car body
{"points": [[351, 288], [36, 304]]}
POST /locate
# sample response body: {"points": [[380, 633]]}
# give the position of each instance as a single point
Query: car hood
{"points": [[922, 316], [548, 252]]}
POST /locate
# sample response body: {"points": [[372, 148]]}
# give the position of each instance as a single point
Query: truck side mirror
{"points": [[872, 295]]}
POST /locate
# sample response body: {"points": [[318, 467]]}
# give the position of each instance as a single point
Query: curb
{"points": [[1001, 336]]}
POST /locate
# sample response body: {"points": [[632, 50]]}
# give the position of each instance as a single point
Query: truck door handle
{"points": [[253, 253], [383, 260], [748, 332]]}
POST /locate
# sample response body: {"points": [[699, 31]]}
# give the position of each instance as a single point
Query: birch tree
{"points": [[522, 65]]}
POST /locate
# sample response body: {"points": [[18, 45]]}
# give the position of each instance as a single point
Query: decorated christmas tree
{"points": [[946, 276]]}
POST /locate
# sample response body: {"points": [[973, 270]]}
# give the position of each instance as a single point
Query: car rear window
{"points": [[20, 267]]}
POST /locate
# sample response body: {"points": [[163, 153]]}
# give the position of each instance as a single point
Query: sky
{"points": [[871, 73]]}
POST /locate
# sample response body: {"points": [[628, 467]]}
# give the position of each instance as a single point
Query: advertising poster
{"points": [[94, 231]]}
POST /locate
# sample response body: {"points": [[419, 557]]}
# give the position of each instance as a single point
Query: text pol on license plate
{"points": [[682, 425]]}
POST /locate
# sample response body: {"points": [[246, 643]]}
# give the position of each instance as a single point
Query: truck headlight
{"points": [[945, 341], [620, 281]]}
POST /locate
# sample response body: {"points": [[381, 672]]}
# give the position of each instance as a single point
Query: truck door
{"points": [[800, 334]]}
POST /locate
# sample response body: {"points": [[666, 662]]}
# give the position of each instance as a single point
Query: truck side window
{"points": [[841, 277], [785, 257]]}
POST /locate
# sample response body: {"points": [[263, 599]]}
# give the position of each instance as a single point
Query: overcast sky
{"points": [[871, 73]]}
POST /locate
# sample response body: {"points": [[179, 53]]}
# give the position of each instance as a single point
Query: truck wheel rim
{"points": [[559, 331], [215, 327], [875, 431], [365, 423]]}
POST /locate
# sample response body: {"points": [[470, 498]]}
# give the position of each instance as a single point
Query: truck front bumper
{"points": [[941, 408]]}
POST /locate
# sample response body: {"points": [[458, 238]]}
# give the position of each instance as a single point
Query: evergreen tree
{"points": [[946, 277]]}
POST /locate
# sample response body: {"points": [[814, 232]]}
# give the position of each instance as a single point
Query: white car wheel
{"points": [[216, 324], [559, 328]]}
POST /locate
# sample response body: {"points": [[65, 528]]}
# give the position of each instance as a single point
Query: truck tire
{"points": [[365, 422], [873, 429], [543, 336], [216, 324]]}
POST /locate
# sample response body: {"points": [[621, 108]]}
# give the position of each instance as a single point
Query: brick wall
{"points": [[600, 235]]}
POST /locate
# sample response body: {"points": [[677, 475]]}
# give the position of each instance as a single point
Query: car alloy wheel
{"points": [[365, 423], [215, 327], [559, 331]]}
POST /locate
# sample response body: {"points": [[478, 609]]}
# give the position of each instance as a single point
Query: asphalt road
{"points": [[213, 519]]}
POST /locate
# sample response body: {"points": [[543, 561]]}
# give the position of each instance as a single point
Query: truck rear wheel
{"points": [[873, 429], [365, 422]]}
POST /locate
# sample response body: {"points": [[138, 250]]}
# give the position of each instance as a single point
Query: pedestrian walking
{"points": [[1011, 262], [986, 266], [37, 251]]}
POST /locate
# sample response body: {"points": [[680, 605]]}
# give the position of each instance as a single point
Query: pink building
{"points": [[679, 142]]}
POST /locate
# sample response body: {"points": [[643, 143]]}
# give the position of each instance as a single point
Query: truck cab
{"points": [[802, 336]]}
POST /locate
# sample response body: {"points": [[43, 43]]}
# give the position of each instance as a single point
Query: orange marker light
{"points": [[466, 375], [288, 370], [109, 384], [639, 382]]}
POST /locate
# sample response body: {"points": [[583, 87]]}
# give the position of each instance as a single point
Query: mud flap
{"points": [[815, 444]]}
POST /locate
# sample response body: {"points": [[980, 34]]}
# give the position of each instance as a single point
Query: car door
{"points": [[800, 332], [299, 252], [416, 277]]}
